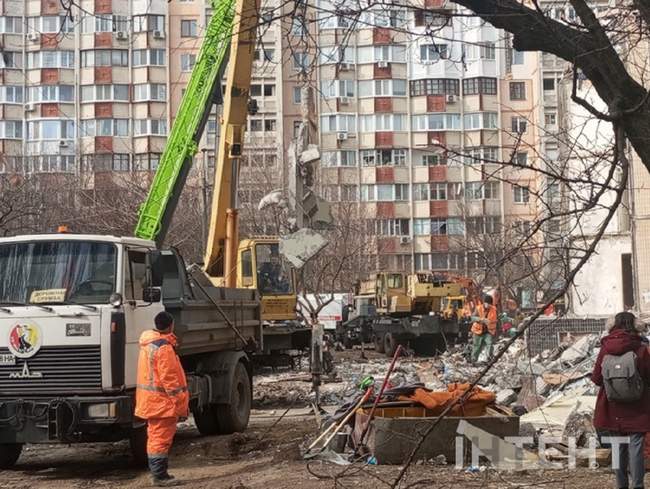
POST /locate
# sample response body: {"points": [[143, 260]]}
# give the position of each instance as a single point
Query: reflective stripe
{"points": [[154, 388]]}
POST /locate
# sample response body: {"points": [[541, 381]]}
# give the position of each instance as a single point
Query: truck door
{"points": [[138, 313]]}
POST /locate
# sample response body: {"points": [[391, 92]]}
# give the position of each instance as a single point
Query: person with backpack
{"points": [[484, 328], [622, 371]]}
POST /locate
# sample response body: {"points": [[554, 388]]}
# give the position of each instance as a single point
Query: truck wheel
{"points": [[379, 343], [138, 445], [390, 344], [9, 454], [206, 420], [233, 417]]}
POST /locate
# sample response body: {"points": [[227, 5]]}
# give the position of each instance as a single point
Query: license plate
{"points": [[6, 359]]}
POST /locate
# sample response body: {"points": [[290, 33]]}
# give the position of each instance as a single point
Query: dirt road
{"points": [[258, 459]]}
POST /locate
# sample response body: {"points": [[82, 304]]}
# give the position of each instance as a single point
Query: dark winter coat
{"points": [[623, 417]]}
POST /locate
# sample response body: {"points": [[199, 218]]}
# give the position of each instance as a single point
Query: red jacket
{"points": [[162, 388], [623, 417]]}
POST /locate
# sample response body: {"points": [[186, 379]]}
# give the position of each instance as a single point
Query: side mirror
{"points": [[151, 294]]}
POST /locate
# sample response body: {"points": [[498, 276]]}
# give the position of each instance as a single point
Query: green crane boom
{"points": [[203, 90]]}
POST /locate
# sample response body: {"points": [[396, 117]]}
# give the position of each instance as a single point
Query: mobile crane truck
{"points": [[72, 307]]}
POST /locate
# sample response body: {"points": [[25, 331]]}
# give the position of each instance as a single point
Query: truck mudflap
{"points": [[65, 420]]}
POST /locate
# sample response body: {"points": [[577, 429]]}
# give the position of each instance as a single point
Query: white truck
{"points": [[72, 308]]}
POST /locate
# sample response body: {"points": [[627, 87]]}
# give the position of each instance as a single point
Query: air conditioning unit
{"points": [[383, 64], [342, 135], [34, 36], [30, 107], [345, 66], [63, 143], [344, 100], [404, 239], [158, 34], [121, 35], [451, 99]]}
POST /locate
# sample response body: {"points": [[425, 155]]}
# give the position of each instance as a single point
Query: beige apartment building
{"points": [[415, 109]]}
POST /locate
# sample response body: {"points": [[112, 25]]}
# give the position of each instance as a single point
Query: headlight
{"points": [[103, 410]]}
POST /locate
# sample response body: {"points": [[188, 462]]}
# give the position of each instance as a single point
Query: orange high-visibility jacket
{"points": [[490, 315], [161, 391]]}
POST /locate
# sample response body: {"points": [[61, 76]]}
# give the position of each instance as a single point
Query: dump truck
{"points": [[72, 308]]}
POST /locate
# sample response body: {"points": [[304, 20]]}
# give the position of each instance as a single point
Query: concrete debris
{"points": [[273, 198], [506, 397]]}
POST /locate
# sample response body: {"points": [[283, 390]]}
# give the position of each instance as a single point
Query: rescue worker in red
{"points": [[161, 395], [484, 328]]}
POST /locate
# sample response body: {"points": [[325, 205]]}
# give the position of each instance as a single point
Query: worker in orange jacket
{"points": [[484, 328], [161, 395]]}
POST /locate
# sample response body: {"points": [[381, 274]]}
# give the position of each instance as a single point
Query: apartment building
{"points": [[417, 109], [94, 91]]}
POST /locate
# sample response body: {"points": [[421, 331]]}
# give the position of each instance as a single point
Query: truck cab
{"points": [[72, 309]]}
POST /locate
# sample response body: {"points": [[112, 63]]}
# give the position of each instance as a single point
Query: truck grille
{"points": [[65, 370]]}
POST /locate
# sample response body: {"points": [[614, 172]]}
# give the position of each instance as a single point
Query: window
{"points": [[267, 16], [385, 17], [11, 129], [550, 119], [147, 23], [338, 122], [146, 161], [269, 90], [481, 50], [383, 157], [51, 163], [438, 191], [483, 225], [298, 27], [50, 129], [103, 93], [269, 125], [105, 57], [481, 155], [296, 128], [382, 122], [549, 84], [382, 88], [297, 95], [149, 92], [339, 158], [300, 61], [104, 127], [481, 120], [187, 61], [51, 24], [104, 23], [51, 59], [519, 124], [11, 59], [337, 88], [455, 226], [482, 85], [349, 193], [384, 192], [438, 226], [256, 90], [392, 227], [435, 86], [374, 54], [135, 275], [11, 25], [517, 57], [11, 94], [149, 127], [188, 28], [481, 190], [517, 91], [433, 160], [265, 54], [256, 125], [435, 122], [433, 52], [521, 158], [51, 93], [148, 57], [335, 55], [521, 194]]}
